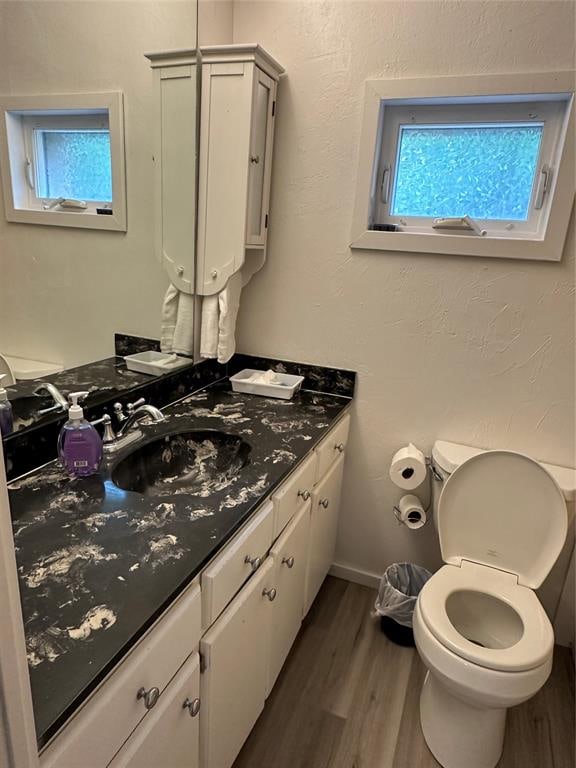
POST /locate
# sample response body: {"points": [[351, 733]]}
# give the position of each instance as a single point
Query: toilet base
{"points": [[457, 733]]}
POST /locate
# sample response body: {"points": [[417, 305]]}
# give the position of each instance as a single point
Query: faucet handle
{"points": [[131, 407], [109, 435], [119, 413]]}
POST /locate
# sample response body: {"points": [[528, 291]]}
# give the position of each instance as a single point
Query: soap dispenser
{"points": [[6, 416], [79, 444]]}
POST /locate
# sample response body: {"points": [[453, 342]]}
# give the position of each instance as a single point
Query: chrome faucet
{"points": [[60, 402], [127, 434]]}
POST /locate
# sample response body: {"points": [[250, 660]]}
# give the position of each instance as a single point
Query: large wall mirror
{"points": [[65, 291]]}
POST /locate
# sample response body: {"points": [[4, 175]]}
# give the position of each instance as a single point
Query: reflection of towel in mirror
{"points": [[177, 322], [219, 313]]}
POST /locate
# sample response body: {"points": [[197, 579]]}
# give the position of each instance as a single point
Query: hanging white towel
{"points": [[228, 304], [169, 312], [219, 313], [209, 327], [177, 333]]}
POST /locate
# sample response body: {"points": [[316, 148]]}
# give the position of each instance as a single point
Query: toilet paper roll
{"points": [[408, 468], [411, 512]]}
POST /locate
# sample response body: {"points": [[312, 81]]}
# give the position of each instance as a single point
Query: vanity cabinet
{"points": [[170, 734], [234, 677], [234, 161], [214, 671]]}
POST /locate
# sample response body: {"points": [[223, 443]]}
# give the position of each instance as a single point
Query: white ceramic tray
{"points": [[285, 389], [155, 363]]}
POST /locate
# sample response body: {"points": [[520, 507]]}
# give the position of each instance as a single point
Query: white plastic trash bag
{"points": [[398, 592]]}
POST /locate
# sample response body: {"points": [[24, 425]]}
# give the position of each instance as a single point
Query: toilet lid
{"points": [[504, 510]]}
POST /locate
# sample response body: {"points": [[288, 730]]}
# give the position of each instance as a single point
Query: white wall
{"points": [[464, 349], [64, 292]]}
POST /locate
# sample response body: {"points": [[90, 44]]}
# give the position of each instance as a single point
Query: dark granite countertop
{"points": [[97, 564]]}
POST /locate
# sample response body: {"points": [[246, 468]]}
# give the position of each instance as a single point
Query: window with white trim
{"points": [[64, 165], [451, 169]]}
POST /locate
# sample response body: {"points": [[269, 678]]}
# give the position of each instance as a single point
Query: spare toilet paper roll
{"points": [[408, 468], [411, 511]]}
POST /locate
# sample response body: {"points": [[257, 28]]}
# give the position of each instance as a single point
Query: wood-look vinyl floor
{"points": [[348, 698]]}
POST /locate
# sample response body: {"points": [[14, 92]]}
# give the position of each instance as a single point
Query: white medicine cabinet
{"points": [[213, 167]]}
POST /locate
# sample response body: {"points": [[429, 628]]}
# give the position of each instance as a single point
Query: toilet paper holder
{"points": [[433, 474]]}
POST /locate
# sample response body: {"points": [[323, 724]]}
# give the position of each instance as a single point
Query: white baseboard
{"points": [[356, 575]]}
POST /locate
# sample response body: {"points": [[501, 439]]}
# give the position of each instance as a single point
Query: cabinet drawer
{"points": [[224, 577], [100, 728], [293, 494], [169, 735], [333, 445]]}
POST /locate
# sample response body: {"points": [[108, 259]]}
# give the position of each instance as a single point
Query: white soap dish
{"points": [[155, 363], [284, 387]]}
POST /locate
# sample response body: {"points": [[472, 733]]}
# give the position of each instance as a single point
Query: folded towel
{"points": [[209, 328], [169, 313], [228, 304], [177, 333]]}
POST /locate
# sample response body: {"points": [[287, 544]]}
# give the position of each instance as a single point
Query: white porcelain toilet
{"points": [[479, 626]]}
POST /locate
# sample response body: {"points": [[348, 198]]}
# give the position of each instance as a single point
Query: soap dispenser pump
{"points": [[6, 416], [79, 444]]}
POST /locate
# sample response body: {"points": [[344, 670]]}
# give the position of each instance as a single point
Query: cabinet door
{"points": [[323, 529], [259, 174], [289, 556], [169, 735], [293, 493], [233, 683]]}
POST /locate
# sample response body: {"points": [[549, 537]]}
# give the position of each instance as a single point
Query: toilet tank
{"points": [[447, 456]]}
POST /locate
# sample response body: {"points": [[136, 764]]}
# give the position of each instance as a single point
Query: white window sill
{"points": [[525, 247], [82, 219]]}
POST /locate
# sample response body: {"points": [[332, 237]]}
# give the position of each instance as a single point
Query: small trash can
{"points": [[397, 595]]}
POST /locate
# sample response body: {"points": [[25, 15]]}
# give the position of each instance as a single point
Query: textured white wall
{"points": [[464, 349], [63, 292]]}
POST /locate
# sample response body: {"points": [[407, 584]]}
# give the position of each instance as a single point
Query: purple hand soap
{"points": [[79, 444]]}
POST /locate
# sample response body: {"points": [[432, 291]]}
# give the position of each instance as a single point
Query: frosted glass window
{"points": [[74, 164], [483, 171]]}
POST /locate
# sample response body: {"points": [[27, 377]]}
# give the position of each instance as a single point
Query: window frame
{"points": [[20, 116], [542, 236]]}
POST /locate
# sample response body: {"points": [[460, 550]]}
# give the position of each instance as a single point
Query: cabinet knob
{"points": [[289, 561], [270, 593], [324, 503], [150, 697], [192, 705], [339, 447], [180, 271], [214, 274], [255, 159], [305, 494], [254, 562]]}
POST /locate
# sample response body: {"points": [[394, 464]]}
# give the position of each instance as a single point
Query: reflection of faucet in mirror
{"points": [[60, 402]]}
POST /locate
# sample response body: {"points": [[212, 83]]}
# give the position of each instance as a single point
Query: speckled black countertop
{"points": [[98, 564]]}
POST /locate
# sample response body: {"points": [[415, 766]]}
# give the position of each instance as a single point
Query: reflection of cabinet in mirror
{"points": [[238, 101]]}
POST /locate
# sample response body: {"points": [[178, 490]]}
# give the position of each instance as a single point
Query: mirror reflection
{"points": [[77, 256]]}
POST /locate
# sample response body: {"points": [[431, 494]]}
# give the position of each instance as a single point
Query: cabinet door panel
{"points": [[169, 735], [294, 493], [233, 685], [323, 529], [260, 147], [289, 556], [333, 446]]}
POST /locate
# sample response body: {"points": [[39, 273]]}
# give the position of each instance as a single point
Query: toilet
{"points": [[479, 627]]}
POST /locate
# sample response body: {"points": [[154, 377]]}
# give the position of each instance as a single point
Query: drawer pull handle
{"points": [[305, 494], [193, 706], [150, 697], [324, 503], [289, 561], [339, 447], [253, 562], [270, 593]]}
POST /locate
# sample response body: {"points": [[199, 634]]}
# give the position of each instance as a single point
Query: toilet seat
{"points": [[536, 641]]}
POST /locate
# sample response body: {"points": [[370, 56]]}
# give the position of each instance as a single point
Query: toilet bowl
{"points": [[478, 625]]}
